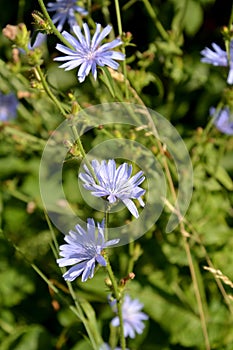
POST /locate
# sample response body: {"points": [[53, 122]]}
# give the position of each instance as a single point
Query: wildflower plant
{"points": [[163, 292], [89, 53]]}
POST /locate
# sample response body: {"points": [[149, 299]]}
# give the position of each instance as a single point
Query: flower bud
{"points": [[18, 34], [41, 23]]}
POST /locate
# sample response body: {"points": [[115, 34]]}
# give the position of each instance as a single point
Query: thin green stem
{"points": [[83, 153], [157, 23], [78, 141], [54, 238], [21, 7], [132, 259], [48, 90], [76, 310], [197, 293], [106, 223], [231, 19], [119, 302], [55, 31], [63, 112], [118, 15], [23, 136], [119, 24], [190, 262], [183, 232]]}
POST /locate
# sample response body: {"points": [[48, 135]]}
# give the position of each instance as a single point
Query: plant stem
{"points": [[21, 7], [48, 90], [183, 232], [196, 289], [118, 297], [77, 310], [231, 19], [83, 153], [63, 112], [119, 24], [157, 23], [190, 261], [132, 259], [55, 31]]}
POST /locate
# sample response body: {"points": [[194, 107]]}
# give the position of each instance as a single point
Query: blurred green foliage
{"points": [[168, 76]]}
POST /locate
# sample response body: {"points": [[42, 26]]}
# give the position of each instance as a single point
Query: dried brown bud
{"points": [[10, 32]]}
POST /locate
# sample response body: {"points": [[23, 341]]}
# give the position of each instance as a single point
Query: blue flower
{"points": [[115, 183], [39, 40], [84, 250], [219, 57], [8, 106], [105, 346], [132, 317], [223, 120], [65, 11], [88, 53]]}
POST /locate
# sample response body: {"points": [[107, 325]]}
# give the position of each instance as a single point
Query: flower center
{"points": [[90, 55]]}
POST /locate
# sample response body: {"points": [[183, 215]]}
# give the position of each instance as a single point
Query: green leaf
{"points": [[108, 80], [33, 337], [15, 286], [193, 17], [222, 176]]}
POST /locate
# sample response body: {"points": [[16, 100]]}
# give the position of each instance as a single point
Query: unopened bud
{"points": [[18, 34], [41, 23], [108, 282], [10, 32], [75, 108]]}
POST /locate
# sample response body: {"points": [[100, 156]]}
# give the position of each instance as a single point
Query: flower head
{"points": [[219, 57], [8, 106], [132, 317], [115, 183], [89, 53], [223, 120], [83, 250], [65, 11]]}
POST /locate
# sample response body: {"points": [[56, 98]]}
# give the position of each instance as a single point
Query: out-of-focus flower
{"points": [[132, 317], [89, 53], [223, 120], [8, 106], [105, 346], [114, 183], [65, 11], [219, 57], [83, 250]]}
